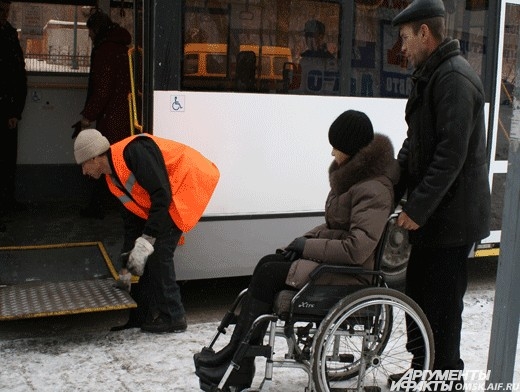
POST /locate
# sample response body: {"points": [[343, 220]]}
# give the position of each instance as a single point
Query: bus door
{"points": [[503, 114]]}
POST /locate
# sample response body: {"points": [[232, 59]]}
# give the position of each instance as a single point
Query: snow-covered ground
{"points": [[135, 361]]}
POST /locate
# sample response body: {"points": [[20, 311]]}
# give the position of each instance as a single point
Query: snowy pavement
{"points": [[134, 361]]}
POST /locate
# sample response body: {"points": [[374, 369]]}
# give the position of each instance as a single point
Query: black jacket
{"points": [[443, 159], [13, 82]]}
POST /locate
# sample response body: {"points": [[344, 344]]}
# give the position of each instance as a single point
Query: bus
{"points": [[230, 78]]}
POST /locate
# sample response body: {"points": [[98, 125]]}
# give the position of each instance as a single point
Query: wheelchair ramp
{"points": [[53, 280]]}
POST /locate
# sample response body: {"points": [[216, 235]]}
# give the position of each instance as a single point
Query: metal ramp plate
{"points": [[42, 299], [61, 279]]}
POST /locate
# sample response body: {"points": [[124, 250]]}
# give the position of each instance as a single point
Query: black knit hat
{"points": [[350, 132], [420, 9]]}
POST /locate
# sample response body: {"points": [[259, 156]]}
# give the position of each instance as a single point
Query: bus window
{"points": [[347, 48], [272, 30], [55, 38]]}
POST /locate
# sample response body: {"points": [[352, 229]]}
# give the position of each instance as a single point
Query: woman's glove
{"points": [[295, 249], [138, 256]]}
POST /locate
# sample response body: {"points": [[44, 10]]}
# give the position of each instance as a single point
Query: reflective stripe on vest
{"points": [[193, 179]]}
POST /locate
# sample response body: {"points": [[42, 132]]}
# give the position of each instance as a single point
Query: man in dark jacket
{"points": [[444, 172], [13, 90]]}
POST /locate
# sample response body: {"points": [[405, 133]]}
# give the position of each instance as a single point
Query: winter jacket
{"points": [[13, 83], [443, 159], [357, 208], [109, 85]]}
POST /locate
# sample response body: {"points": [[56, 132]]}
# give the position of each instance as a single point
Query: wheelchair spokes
{"points": [[364, 340]]}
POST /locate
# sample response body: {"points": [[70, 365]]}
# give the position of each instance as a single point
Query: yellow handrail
{"points": [[134, 121]]}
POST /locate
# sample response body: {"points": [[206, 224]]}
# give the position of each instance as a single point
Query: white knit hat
{"points": [[89, 144]]}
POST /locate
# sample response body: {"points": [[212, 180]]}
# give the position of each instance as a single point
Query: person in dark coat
{"points": [[107, 94], [362, 177], [444, 173], [13, 91]]}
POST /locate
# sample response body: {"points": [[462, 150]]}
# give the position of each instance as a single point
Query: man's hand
{"points": [[138, 256], [404, 221]]}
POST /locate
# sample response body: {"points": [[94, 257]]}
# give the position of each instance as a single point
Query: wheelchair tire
{"points": [[363, 340]]}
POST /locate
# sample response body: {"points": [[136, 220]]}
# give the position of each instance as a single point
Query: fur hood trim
{"points": [[376, 159]]}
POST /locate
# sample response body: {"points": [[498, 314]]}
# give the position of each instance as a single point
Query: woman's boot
{"points": [[212, 367], [251, 309], [241, 378], [211, 359]]}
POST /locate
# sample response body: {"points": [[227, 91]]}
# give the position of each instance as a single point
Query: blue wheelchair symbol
{"points": [[176, 105]]}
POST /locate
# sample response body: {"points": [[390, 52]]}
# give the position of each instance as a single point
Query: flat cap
{"points": [[420, 9]]}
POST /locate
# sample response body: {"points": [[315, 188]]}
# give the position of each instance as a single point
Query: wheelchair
{"points": [[345, 338]]}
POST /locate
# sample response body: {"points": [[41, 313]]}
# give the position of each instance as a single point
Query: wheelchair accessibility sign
{"points": [[176, 103]]}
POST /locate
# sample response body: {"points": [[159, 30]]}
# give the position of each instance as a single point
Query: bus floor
{"points": [[59, 222]]}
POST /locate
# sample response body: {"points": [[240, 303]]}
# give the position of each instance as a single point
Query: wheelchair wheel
{"points": [[367, 337], [351, 364]]}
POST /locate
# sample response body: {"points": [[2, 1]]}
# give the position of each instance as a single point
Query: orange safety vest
{"points": [[193, 179]]}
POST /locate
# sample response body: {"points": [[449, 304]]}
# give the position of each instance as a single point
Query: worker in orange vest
{"points": [[165, 187]]}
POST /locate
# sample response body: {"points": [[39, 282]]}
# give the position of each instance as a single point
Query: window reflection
{"points": [[311, 47]]}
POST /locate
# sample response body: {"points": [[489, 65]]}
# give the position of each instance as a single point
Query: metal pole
{"points": [[75, 44], [506, 311]]}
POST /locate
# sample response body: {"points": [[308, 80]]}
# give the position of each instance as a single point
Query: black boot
{"points": [[207, 358], [240, 379], [251, 309], [247, 367]]}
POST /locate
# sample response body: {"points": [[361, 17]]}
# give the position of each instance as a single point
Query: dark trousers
{"points": [[157, 292], [8, 157], [437, 279], [269, 278]]}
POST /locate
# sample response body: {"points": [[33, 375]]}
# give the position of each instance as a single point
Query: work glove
{"points": [[295, 249], [138, 256], [125, 277]]}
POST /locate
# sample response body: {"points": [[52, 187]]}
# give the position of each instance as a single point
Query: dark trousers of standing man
{"points": [[8, 157], [157, 292], [437, 280]]}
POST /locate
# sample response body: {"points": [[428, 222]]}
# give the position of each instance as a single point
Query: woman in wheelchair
{"points": [[362, 176]]}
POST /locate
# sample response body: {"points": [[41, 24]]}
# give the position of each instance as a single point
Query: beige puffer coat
{"points": [[357, 208]]}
